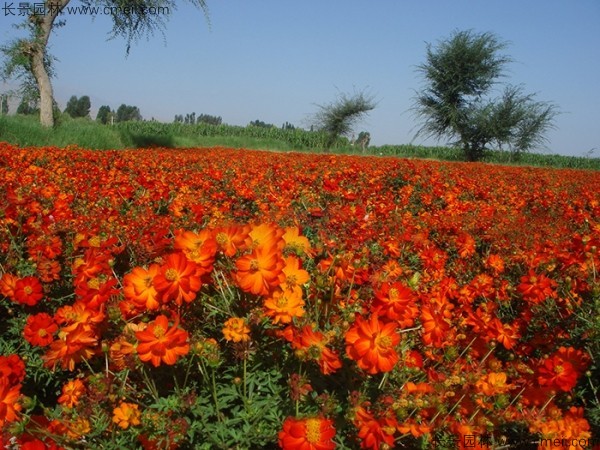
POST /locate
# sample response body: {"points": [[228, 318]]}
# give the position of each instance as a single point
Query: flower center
{"points": [[254, 265], [28, 290], [559, 369], [221, 238], [93, 283], [159, 332], [393, 294], [171, 274], [383, 341], [42, 332], [313, 431]]}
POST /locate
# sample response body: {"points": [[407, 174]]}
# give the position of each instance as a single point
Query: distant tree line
{"points": [[202, 118]]}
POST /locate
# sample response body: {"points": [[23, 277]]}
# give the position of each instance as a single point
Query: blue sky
{"points": [[275, 60]]}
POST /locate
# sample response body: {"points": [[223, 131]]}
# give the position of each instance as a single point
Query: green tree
{"points": [[211, 120], [104, 114], [131, 20], [340, 117], [78, 107], [27, 106], [127, 113], [459, 73]]}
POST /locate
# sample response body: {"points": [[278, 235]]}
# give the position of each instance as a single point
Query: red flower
{"points": [[536, 288], [9, 396], [374, 432], [159, 343], [371, 344], [313, 433], [396, 302], [562, 369], [12, 368], [28, 291], [39, 329]]}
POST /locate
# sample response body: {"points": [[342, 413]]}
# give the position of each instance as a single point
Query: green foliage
{"points": [[339, 117], [458, 73], [78, 107], [127, 113], [104, 114]]}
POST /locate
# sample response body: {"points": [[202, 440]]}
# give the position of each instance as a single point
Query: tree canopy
{"points": [[459, 74], [339, 117]]}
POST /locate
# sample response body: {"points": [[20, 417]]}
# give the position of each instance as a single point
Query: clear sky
{"points": [[275, 60]]}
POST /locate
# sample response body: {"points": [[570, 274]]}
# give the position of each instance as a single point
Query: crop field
{"points": [[212, 298]]}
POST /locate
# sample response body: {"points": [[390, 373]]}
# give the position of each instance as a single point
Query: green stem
{"points": [[214, 395]]}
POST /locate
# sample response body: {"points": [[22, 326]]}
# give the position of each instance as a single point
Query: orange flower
{"points": [[8, 283], [436, 324], [138, 286], [178, 279], [396, 302], [259, 271], [198, 247], [231, 239], [294, 276], [295, 242], [236, 329], [493, 384], [28, 291], [39, 329], [283, 306], [127, 415], [371, 344], [159, 343], [9, 406], [314, 433], [70, 316], [73, 347], [119, 351], [374, 432], [71, 393], [265, 235], [310, 344]]}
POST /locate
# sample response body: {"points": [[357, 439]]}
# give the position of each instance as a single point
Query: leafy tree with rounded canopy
{"points": [[339, 117], [131, 20], [458, 74], [78, 107], [104, 114]]}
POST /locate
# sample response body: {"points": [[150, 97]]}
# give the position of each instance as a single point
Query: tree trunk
{"points": [[37, 54]]}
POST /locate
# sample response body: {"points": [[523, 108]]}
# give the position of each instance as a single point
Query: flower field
{"points": [[229, 299]]}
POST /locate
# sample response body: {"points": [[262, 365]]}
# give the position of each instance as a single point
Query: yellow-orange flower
{"points": [[160, 343], [259, 271], [127, 415], [295, 242], [265, 235], [71, 393], [371, 344], [236, 329], [283, 306], [493, 384], [294, 276]]}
